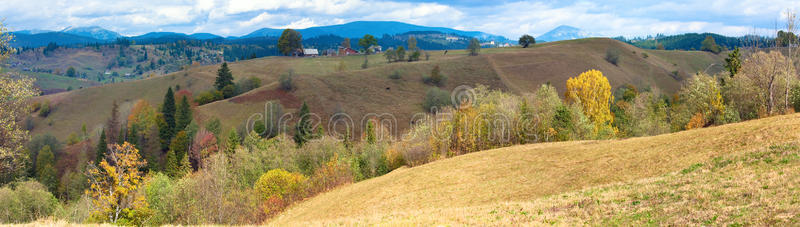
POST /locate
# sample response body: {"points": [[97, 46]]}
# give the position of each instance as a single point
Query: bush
{"points": [[25, 202], [436, 78], [395, 75], [280, 184], [44, 110], [612, 56], [228, 91], [435, 99], [248, 85], [209, 97], [286, 81], [794, 97]]}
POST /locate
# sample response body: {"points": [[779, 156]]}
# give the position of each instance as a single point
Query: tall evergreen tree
{"points": [[171, 164], [168, 110], [113, 124], [183, 114], [102, 147], [45, 168], [180, 145], [224, 77], [303, 131], [232, 142]]}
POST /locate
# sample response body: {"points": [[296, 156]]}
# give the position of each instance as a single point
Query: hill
{"points": [[358, 92], [693, 41], [744, 174], [94, 32], [563, 32], [358, 29], [42, 39]]}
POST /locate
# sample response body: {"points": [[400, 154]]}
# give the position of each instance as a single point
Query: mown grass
{"points": [[725, 174]]}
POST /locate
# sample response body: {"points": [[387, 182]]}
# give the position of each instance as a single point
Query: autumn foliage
{"points": [[593, 92], [113, 183]]}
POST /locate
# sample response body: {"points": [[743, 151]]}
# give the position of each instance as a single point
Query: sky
{"points": [[630, 18]]}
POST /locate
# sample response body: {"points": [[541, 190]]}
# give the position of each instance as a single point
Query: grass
{"points": [[357, 91], [685, 178], [50, 83]]}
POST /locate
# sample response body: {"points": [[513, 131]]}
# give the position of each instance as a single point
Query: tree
{"points": [[303, 130], [286, 80], [102, 147], [232, 142], [734, 62], [593, 92], [703, 99], [474, 47], [366, 42], [764, 72], [346, 43], [526, 40], [45, 170], [113, 123], [436, 78], [290, 41], [203, 146], [171, 165], [168, 111], [390, 55], [180, 144], [710, 45], [113, 182], [71, 72], [412, 43], [370, 133], [14, 106], [183, 114], [414, 56], [401, 53], [224, 77]]}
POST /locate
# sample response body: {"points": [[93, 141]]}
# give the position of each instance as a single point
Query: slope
{"points": [[508, 183], [359, 92]]}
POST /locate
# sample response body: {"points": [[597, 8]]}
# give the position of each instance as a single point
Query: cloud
{"points": [[511, 19]]}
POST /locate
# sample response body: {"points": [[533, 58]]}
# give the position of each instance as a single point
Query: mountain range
{"points": [[563, 32], [357, 29]]}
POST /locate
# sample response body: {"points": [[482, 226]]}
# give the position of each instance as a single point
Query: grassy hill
{"points": [[359, 91], [745, 174]]}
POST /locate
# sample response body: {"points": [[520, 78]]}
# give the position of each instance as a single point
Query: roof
{"points": [[310, 51]]}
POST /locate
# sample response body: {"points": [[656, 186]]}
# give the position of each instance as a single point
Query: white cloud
{"points": [[511, 19]]}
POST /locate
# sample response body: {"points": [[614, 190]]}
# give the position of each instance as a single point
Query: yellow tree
{"points": [[593, 92], [113, 183]]}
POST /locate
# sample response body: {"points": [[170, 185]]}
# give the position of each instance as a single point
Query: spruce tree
{"points": [[224, 77], [185, 167], [113, 124], [102, 148], [180, 144], [45, 170], [303, 128], [232, 142], [171, 165], [183, 115], [168, 109]]}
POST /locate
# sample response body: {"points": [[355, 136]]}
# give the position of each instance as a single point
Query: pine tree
{"points": [[113, 124], [233, 142], [171, 165], [102, 147], [183, 115], [164, 132], [303, 128], [45, 170], [168, 110], [224, 77]]}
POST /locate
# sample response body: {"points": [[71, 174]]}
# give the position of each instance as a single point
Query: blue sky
{"points": [[507, 18]]}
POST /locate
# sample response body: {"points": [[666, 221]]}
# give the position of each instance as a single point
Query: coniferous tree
{"points": [[232, 142], [45, 170], [224, 77], [113, 124], [303, 130], [183, 114], [164, 132], [102, 147], [171, 165], [168, 110]]}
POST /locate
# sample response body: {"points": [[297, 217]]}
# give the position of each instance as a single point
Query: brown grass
{"points": [[466, 188]]}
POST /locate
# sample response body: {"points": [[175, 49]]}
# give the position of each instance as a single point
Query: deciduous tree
{"points": [[526, 40], [593, 92], [113, 182], [290, 41]]}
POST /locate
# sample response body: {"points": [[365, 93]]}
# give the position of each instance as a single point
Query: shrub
{"points": [[280, 184], [435, 99], [330, 175], [795, 97], [248, 84], [612, 56], [25, 202], [645, 55], [44, 110], [395, 75], [209, 97], [228, 91], [436, 78], [286, 81]]}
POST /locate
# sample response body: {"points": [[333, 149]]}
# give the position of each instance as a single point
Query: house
{"points": [[310, 53], [344, 51], [375, 49]]}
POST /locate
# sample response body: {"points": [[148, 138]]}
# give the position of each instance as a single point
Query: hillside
{"points": [[359, 91], [745, 174]]}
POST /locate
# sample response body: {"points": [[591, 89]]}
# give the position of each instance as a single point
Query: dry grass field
{"points": [[357, 91], [742, 173]]}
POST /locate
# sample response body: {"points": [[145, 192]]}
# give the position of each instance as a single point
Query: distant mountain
{"points": [[32, 31], [376, 28], [42, 39], [693, 41], [204, 36], [563, 32], [93, 32]]}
